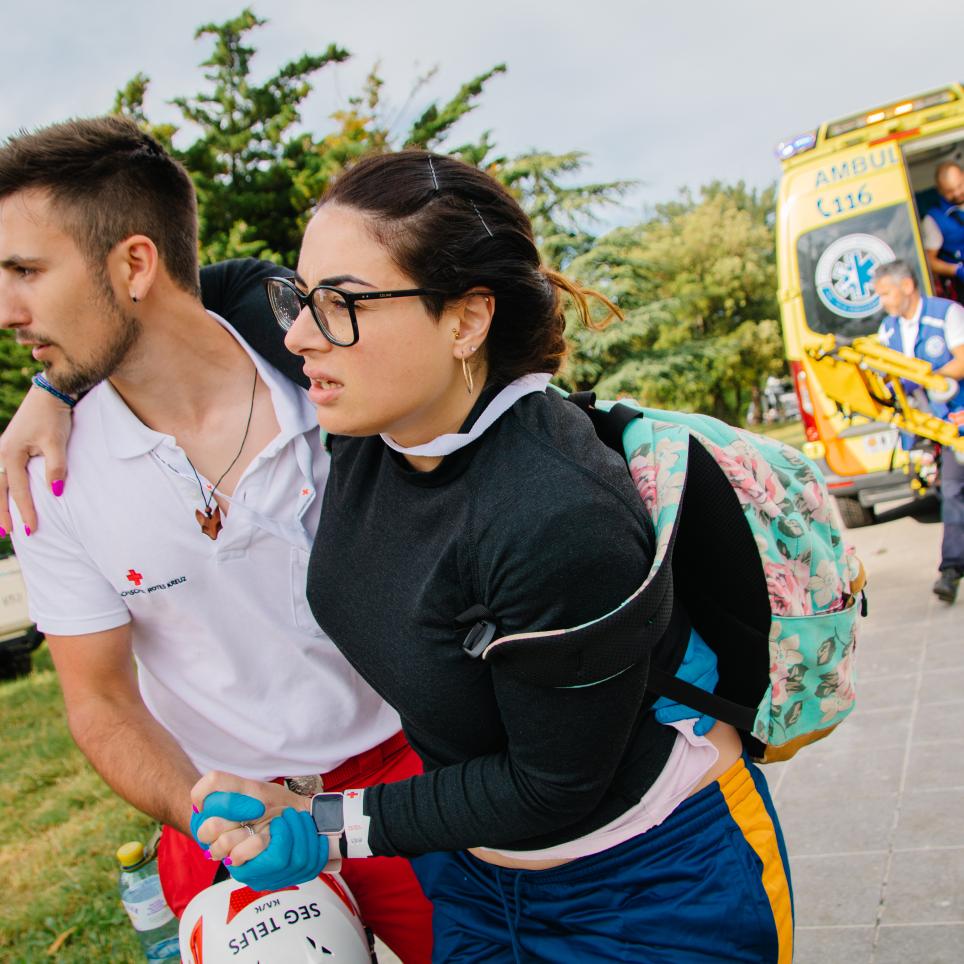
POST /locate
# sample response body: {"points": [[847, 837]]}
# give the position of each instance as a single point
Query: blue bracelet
{"points": [[42, 382]]}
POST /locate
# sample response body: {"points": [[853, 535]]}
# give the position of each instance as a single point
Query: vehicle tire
{"points": [[15, 658], [853, 514]]}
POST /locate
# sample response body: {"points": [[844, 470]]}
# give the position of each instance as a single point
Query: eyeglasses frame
{"points": [[305, 299]]}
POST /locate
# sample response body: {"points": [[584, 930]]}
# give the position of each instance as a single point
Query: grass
{"points": [[789, 432], [61, 825]]}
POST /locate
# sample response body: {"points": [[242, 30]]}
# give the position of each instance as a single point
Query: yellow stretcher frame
{"points": [[863, 377]]}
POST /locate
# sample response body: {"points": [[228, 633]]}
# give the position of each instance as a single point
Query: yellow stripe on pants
{"points": [[750, 814]]}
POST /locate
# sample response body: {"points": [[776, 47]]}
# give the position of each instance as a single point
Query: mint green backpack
{"points": [[748, 549]]}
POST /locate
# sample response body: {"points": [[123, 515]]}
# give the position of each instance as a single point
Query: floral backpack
{"points": [[748, 550]]}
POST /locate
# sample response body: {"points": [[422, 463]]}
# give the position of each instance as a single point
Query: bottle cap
{"points": [[130, 854]]}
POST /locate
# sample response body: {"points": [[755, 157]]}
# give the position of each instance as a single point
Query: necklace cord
{"points": [[244, 438]]}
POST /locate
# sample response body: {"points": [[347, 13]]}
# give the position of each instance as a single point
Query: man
{"points": [[942, 228], [932, 329], [184, 533]]}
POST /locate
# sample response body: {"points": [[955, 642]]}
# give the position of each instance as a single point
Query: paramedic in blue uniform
{"points": [[942, 228], [932, 329]]}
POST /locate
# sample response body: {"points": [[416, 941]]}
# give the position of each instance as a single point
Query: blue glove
{"points": [[295, 854], [699, 668], [959, 272], [230, 806]]}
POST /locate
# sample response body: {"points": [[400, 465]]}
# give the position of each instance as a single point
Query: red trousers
{"points": [[391, 901]]}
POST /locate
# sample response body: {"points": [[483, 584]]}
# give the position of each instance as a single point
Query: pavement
{"points": [[873, 816]]}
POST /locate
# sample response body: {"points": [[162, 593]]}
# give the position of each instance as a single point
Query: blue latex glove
{"points": [[238, 807], [295, 854], [699, 668], [959, 272]]}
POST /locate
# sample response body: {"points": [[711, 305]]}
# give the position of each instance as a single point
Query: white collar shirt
{"points": [[229, 657]]}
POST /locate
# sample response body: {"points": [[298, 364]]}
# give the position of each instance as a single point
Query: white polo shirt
{"points": [[229, 657]]}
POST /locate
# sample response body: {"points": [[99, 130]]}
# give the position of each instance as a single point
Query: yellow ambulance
{"points": [[853, 194]]}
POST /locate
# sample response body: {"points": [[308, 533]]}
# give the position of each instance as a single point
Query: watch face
{"points": [[328, 812]]}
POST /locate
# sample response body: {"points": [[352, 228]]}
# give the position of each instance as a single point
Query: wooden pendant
{"points": [[209, 520]]}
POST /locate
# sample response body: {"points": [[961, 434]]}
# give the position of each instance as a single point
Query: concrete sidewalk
{"points": [[874, 815]]}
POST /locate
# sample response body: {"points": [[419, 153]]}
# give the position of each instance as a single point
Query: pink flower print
{"points": [[784, 653], [826, 588], [817, 502], [752, 478], [644, 475], [834, 704], [845, 676], [787, 585]]}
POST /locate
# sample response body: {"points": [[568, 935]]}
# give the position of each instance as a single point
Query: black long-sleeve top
{"points": [[540, 523]]}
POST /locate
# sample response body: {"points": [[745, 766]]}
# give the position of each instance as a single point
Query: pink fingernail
{"points": [[57, 487], [3, 533], [26, 529], [227, 861], [207, 855], [194, 809]]}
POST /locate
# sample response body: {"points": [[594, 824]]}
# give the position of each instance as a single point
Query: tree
{"points": [[697, 283], [258, 176]]}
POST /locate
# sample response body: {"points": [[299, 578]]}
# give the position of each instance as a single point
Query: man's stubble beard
{"points": [[125, 330]]}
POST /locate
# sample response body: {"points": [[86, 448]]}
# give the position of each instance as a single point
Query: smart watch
{"points": [[328, 813]]}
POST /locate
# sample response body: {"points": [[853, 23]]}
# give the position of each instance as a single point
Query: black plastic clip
{"points": [[481, 634]]}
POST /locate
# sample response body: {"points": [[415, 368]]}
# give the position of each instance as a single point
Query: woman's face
{"points": [[403, 377]]}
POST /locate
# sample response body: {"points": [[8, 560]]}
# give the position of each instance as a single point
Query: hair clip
{"points": [[482, 219], [431, 167]]}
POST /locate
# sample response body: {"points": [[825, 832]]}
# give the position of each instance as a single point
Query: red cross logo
{"points": [[351, 794], [134, 576], [306, 491]]}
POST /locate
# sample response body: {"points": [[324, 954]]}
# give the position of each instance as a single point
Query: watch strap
{"points": [[357, 824]]}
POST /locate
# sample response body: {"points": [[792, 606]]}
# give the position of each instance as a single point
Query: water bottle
{"points": [[143, 899]]}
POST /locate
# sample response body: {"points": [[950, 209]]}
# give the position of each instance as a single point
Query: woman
{"points": [[553, 822]]}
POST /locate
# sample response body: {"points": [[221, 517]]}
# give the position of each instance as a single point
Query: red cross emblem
{"points": [[134, 576], [306, 491], [351, 794]]}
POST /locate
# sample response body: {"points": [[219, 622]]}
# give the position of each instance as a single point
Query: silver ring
{"points": [[250, 829]]}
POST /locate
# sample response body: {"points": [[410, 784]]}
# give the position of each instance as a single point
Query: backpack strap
{"points": [[718, 582]]}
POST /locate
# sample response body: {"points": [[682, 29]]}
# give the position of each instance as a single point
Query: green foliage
{"points": [[16, 367], [697, 283], [258, 175]]}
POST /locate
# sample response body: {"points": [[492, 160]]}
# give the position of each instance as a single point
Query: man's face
{"points": [[54, 300], [951, 186], [897, 297]]}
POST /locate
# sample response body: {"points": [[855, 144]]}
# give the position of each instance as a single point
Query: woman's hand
{"points": [[282, 847], [41, 426]]}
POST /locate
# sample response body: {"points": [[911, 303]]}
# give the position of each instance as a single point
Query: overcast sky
{"points": [[669, 94]]}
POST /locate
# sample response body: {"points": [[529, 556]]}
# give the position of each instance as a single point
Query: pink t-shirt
{"points": [[689, 761]]}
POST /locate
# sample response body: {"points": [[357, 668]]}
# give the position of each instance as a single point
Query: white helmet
{"points": [[315, 921]]}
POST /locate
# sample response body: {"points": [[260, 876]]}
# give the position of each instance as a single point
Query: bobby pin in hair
{"points": [[431, 167], [482, 219]]}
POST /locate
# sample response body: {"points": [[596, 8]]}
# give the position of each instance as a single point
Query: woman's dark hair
{"points": [[451, 228]]}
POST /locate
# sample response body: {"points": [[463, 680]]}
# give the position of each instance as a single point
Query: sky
{"points": [[665, 94]]}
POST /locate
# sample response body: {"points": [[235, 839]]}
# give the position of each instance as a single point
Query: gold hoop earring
{"points": [[467, 375]]}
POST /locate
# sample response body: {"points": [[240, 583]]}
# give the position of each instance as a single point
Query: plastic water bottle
{"points": [[143, 899]]}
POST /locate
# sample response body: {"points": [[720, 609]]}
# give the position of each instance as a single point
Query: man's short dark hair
{"points": [[897, 270], [108, 180]]}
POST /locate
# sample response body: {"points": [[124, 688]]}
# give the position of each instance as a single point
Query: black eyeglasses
{"points": [[332, 308]]}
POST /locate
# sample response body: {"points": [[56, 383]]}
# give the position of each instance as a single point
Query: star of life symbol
{"points": [[845, 274]]}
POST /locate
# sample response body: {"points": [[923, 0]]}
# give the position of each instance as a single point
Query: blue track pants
{"points": [[710, 884]]}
